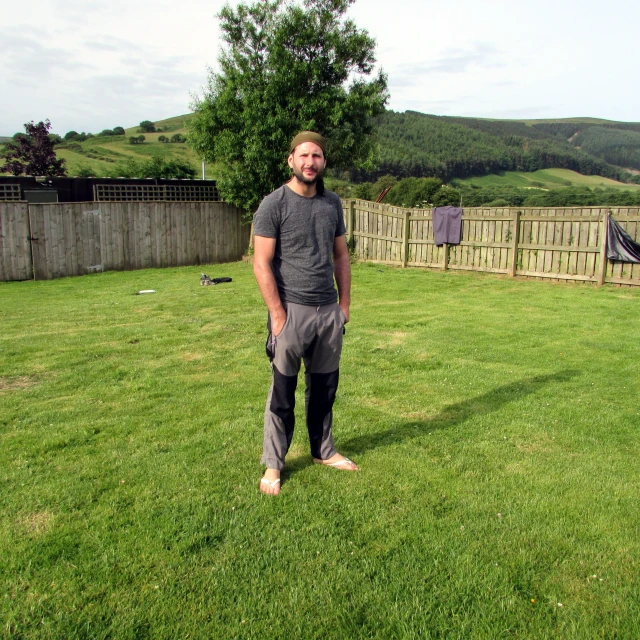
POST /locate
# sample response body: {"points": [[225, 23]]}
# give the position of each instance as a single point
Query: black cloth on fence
{"points": [[447, 225], [620, 245]]}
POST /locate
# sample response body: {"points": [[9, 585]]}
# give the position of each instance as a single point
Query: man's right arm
{"points": [[263, 252]]}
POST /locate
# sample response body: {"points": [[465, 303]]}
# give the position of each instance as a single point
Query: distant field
{"points": [[551, 120], [569, 121], [103, 154], [546, 179], [177, 124]]}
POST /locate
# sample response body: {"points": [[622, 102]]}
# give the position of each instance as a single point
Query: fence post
{"points": [[514, 248], [445, 261], [350, 223], [32, 269], [251, 237], [602, 272], [405, 239]]}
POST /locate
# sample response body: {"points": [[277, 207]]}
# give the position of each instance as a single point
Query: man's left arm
{"points": [[342, 270]]}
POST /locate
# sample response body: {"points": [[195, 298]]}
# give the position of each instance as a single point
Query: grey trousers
{"points": [[313, 335]]}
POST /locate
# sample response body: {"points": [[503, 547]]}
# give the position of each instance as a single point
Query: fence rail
{"points": [[9, 192], [155, 192], [560, 243], [45, 241]]}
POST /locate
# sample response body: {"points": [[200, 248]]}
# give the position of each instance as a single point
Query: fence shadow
{"points": [[454, 414]]}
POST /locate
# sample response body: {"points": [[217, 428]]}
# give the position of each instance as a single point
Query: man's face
{"points": [[307, 162]]}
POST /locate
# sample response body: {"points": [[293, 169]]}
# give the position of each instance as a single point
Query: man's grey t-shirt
{"points": [[304, 229]]}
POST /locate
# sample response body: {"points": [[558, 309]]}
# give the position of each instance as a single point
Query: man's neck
{"points": [[302, 188]]}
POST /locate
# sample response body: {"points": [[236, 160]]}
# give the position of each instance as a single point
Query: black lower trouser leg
{"points": [[320, 394], [279, 419]]}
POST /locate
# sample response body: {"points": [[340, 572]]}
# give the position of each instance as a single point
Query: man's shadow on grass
{"points": [[450, 416], [455, 414]]}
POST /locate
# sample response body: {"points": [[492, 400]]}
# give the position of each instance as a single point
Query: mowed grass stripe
{"points": [[495, 422], [547, 179]]}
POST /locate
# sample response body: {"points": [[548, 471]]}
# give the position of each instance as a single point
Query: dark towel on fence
{"points": [[447, 225], [620, 245]]}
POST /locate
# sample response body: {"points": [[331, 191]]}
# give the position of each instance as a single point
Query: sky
{"points": [[90, 65]]}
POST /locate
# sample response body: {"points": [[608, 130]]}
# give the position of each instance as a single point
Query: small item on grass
{"points": [[205, 280], [145, 291]]}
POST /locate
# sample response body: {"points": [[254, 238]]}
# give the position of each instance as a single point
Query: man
{"points": [[299, 244]]}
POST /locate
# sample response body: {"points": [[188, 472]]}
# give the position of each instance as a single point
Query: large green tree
{"points": [[286, 67]]}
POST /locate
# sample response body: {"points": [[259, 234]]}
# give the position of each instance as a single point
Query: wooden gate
{"points": [[15, 249], [66, 239]]}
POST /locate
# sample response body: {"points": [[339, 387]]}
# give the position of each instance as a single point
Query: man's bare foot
{"points": [[270, 483], [338, 461]]}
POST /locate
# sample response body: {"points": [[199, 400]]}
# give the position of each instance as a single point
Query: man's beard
{"points": [[302, 178]]}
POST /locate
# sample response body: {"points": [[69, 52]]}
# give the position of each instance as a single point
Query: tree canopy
{"points": [[33, 154], [158, 166], [286, 68], [146, 126], [430, 192]]}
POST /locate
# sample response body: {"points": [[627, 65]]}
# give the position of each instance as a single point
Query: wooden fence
{"points": [[564, 243], [45, 241]]}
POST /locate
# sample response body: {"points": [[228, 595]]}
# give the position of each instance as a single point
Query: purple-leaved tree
{"points": [[33, 154]]}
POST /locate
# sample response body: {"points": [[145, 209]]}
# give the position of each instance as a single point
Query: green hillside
{"points": [[545, 179], [506, 152], [106, 155], [177, 124], [102, 156], [417, 144], [616, 146]]}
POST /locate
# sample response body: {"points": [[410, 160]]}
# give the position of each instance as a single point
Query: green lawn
{"points": [[495, 422], [547, 179]]}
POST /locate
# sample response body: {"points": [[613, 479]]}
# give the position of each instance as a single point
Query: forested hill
{"points": [[416, 144]]}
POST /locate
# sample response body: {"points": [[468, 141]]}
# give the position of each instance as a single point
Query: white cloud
{"points": [[90, 65]]}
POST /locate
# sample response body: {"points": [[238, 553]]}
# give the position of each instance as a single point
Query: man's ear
{"points": [[290, 160]]}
